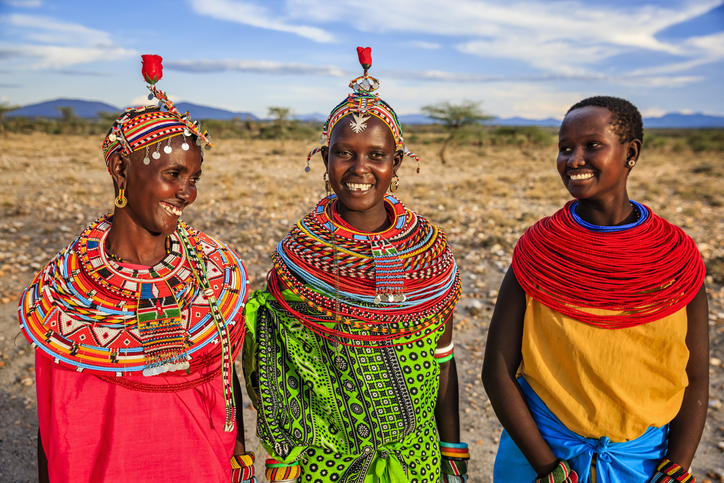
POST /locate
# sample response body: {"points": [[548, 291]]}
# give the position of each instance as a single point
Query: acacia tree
{"points": [[4, 108], [455, 116], [281, 115]]}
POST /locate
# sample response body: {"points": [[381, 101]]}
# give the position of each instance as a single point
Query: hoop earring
{"points": [[121, 199], [630, 163], [395, 184], [327, 186]]}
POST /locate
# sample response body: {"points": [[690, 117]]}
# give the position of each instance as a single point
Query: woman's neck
{"points": [[613, 212], [372, 221], [132, 244]]}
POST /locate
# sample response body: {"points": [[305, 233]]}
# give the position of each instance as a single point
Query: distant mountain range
{"points": [[90, 109]]}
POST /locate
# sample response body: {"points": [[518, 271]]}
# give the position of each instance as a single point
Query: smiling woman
{"points": [[597, 356], [348, 354], [138, 320]]}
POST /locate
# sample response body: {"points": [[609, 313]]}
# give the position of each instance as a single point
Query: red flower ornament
{"points": [[365, 57], [152, 68]]}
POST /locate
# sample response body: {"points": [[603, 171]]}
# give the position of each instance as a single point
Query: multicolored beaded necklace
{"points": [[89, 312], [384, 285]]}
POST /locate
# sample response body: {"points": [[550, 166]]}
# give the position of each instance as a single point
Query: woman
{"points": [[137, 323], [349, 354], [603, 319]]}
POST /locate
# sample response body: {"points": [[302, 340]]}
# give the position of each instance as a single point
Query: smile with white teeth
{"points": [[358, 186], [576, 177], [171, 209]]}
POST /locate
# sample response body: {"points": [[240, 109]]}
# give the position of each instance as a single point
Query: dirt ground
{"points": [[252, 191]]}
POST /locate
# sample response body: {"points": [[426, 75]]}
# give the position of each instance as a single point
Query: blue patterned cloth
{"points": [[627, 462]]}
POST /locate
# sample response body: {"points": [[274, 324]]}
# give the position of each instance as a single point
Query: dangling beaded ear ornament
{"points": [[327, 186], [146, 159], [395, 184], [156, 154], [168, 148], [121, 199]]}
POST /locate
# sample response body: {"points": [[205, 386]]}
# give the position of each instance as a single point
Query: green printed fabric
{"points": [[347, 414]]}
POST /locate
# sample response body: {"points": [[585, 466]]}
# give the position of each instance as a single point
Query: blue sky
{"points": [[528, 58]]}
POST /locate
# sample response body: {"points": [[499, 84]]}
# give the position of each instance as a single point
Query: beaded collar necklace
{"points": [[387, 285], [90, 312]]}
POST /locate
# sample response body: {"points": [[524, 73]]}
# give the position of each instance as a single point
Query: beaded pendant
{"points": [[389, 271]]}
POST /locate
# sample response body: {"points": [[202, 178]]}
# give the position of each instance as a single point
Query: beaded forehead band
{"points": [[362, 104], [139, 127]]}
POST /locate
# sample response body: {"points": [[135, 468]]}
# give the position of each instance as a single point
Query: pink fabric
{"points": [[93, 431]]}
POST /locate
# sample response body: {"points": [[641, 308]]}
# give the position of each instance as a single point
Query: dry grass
{"points": [[252, 191]]}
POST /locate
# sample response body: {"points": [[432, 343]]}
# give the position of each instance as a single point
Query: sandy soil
{"points": [[51, 188]]}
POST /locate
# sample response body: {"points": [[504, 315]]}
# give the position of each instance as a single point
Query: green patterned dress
{"points": [[347, 414]]}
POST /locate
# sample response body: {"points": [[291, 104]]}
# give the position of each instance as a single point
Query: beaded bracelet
{"points": [[454, 451], [444, 354], [279, 472], [668, 471], [444, 478], [562, 473], [242, 468], [454, 462]]}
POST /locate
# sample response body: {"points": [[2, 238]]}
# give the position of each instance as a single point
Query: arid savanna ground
{"points": [[51, 187]]}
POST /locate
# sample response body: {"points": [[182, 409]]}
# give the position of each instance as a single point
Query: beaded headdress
{"points": [[139, 127], [362, 104]]}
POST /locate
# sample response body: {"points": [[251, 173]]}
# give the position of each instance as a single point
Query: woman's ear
{"points": [[118, 167], [633, 151], [397, 161], [324, 150]]}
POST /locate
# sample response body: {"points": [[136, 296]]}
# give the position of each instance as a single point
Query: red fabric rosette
{"points": [[152, 68], [365, 57]]}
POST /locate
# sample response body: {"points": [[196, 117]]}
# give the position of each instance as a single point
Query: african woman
{"points": [[137, 323], [349, 353], [597, 355]]}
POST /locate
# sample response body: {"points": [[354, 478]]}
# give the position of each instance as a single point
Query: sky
{"points": [[526, 58]]}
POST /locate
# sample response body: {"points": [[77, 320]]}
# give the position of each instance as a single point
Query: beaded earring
{"points": [[121, 199], [395, 184], [327, 186], [630, 163]]}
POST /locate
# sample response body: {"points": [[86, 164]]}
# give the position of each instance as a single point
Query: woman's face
{"points": [[361, 165], [591, 158], [158, 192]]}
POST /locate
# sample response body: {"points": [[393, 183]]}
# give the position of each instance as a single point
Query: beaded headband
{"points": [[362, 104], [139, 127]]}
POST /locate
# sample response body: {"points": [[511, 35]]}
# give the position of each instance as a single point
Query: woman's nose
{"points": [[186, 192], [575, 159], [360, 165]]}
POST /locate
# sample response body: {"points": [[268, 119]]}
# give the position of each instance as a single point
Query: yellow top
{"points": [[603, 382]]}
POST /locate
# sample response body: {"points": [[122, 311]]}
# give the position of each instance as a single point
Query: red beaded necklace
{"points": [[642, 274]]}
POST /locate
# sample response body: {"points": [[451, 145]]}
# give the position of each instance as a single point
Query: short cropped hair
{"points": [[625, 117]]}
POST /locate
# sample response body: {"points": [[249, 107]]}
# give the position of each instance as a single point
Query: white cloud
{"points": [[424, 45], [561, 37], [257, 66], [45, 42], [247, 13], [653, 112]]}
